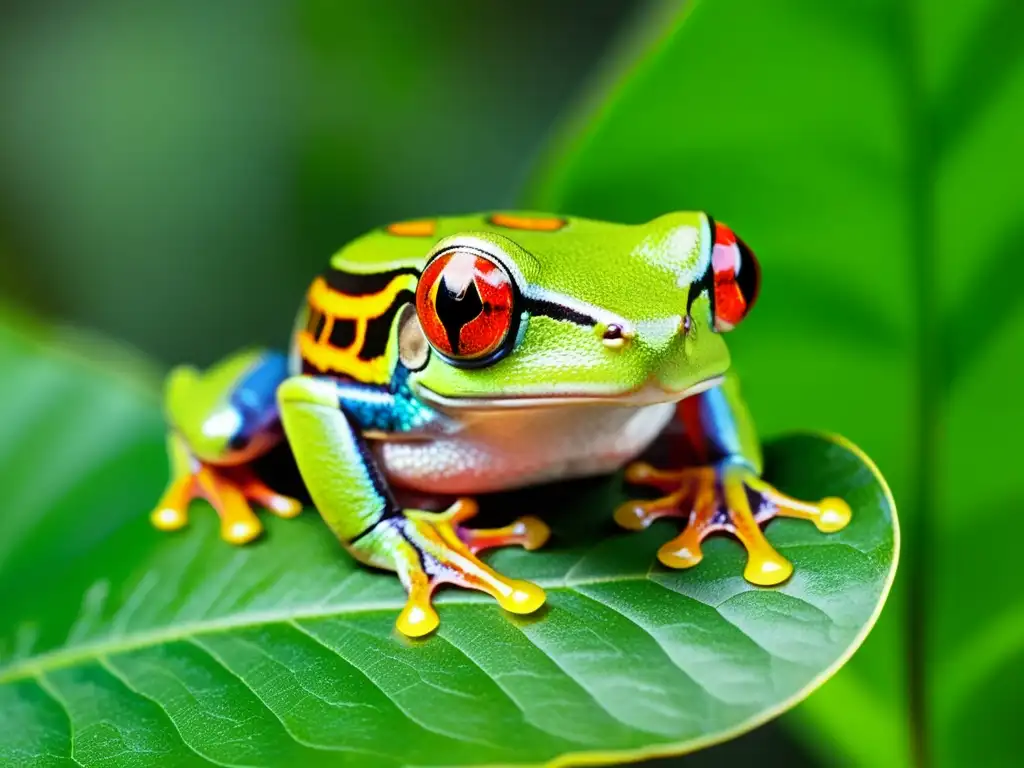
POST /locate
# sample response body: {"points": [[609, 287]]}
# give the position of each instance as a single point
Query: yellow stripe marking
{"points": [[360, 309], [325, 358]]}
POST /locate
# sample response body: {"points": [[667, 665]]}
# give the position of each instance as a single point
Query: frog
{"points": [[470, 355]]}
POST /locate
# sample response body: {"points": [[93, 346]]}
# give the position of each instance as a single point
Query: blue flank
{"points": [[369, 407], [716, 417], [391, 409], [254, 399]]}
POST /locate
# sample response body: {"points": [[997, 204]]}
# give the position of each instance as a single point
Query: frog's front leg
{"points": [[425, 549], [221, 420], [725, 495]]}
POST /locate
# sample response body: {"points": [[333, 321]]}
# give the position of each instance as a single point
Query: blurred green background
{"points": [[173, 174]]}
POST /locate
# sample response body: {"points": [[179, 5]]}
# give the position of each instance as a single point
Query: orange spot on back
{"points": [[423, 228], [532, 223]]}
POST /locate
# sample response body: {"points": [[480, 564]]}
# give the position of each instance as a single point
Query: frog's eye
{"points": [[737, 278], [464, 301]]}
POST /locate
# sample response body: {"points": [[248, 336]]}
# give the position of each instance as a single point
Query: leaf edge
{"points": [[678, 749]]}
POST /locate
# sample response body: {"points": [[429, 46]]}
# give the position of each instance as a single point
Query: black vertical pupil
{"points": [[455, 309]]}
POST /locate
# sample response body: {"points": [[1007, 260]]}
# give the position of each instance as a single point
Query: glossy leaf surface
{"points": [[120, 645], [869, 153]]}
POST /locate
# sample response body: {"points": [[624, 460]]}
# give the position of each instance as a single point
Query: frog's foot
{"points": [[229, 490], [428, 549], [728, 498]]}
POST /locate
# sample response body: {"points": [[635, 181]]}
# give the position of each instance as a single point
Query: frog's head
{"points": [[586, 312]]}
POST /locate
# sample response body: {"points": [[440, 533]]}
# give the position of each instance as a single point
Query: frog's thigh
{"points": [[346, 486], [350, 492], [212, 441]]}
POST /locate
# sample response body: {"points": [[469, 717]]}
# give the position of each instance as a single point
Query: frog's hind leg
{"points": [[727, 495], [220, 421], [426, 549]]}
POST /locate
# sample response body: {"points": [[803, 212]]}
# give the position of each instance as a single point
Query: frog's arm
{"points": [[719, 426], [722, 491], [323, 420], [221, 420]]}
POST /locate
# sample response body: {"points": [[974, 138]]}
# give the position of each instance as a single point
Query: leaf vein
{"points": [[322, 747], [105, 662], [581, 684], [46, 687], [413, 718], [661, 647]]}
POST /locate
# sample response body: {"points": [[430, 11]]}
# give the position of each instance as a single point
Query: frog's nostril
{"points": [[615, 336]]}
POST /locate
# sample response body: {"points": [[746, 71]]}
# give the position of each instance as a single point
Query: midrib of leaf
{"points": [[112, 645], [119, 643], [115, 644], [100, 652], [920, 208]]}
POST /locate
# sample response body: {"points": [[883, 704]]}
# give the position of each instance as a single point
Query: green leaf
{"points": [[121, 645], [864, 150]]}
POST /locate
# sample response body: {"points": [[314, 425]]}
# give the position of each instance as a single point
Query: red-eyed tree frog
{"points": [[473, 354]]}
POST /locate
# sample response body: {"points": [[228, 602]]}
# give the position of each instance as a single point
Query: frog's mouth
{"points": [[649, 394]]}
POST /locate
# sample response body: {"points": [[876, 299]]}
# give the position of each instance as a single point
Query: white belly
{"points": [[504, 449]]}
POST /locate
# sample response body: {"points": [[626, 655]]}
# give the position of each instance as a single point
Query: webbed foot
{"points": [[727, 497], [229, 491], [428, 549]]}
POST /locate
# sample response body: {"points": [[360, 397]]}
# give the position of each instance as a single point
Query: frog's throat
{"points": [[649, 394]]}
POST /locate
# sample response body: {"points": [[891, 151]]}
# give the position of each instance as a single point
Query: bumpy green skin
{"points": [[197, 401], [347, 490], [636, 277], [639, 273]]}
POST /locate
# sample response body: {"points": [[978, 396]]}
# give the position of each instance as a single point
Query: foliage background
{"points": [[172, 174]]}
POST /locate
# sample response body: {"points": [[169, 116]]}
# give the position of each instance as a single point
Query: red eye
{"points": [[464, 302], [737, 278]]}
